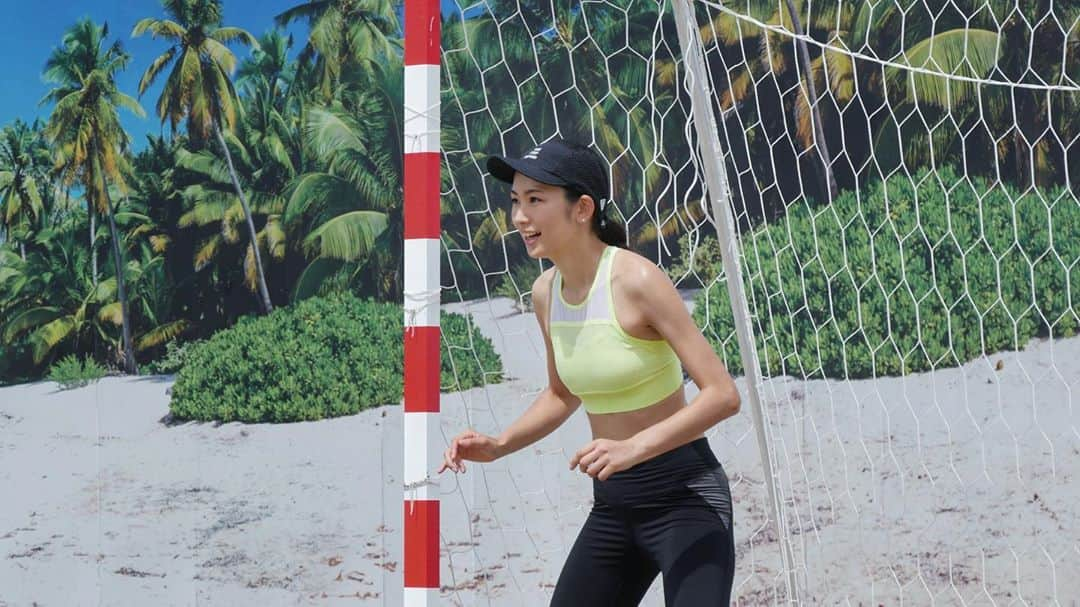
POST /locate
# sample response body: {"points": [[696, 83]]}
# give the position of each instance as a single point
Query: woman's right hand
{"points": [[469, 445]]}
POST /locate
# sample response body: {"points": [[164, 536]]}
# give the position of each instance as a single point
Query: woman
{"points": [[618, 336]]}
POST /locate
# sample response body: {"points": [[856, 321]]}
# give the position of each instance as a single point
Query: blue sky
{"points": [[35, 28]]}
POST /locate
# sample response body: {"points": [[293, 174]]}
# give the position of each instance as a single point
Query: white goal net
{"points": [[901, 177]]}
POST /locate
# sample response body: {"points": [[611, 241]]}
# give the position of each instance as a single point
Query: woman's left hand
{"points": [[603, 457]]}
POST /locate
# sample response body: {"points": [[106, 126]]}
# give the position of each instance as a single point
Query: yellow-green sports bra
{"points": [[608, 369]]}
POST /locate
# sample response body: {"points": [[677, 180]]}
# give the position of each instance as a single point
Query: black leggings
{"points": [[670, 515]]}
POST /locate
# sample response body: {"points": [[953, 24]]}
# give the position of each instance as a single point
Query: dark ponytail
{"points": [[604, 225]]}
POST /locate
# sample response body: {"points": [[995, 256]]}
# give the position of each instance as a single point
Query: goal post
{"points": [[719, 194], [421, 401], [870, 210]]}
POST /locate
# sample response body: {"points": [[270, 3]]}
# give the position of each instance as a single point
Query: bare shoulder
{"points": [[637, 276], [541, 290], [542, 285]]}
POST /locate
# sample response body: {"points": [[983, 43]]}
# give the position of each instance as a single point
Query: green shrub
{"points": [[903, 279], [705, 266], [470, 360], [71, 372], [323, 357], [173, 359]]}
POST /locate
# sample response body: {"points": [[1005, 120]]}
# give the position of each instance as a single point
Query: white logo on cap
{"points": [[533, 153]]}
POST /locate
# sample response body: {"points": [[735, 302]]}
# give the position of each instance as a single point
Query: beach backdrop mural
{"points": [[869, 209]]}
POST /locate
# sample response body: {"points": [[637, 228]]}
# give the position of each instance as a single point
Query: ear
{"points": [[585, 209]]}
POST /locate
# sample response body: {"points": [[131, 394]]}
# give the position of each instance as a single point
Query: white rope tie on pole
{"points": [[428, 298]]}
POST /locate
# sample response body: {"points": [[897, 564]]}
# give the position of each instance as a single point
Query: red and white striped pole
{"points": [[421, 293]]}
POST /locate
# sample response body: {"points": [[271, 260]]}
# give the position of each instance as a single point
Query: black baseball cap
{"points": [[557, 162]]}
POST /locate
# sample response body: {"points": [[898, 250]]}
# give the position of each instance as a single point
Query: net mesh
{"points": [[902, 181]]}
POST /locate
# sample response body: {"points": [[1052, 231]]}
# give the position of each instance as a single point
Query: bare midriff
{"points": [[621, 426]]}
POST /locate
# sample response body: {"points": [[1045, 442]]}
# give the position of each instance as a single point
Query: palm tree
{"points": [[1040, 43], [758, 66], [269, 65], [811, 100], [152, 291], [351, 202], [350, 212], [199, 87], [470, 223], [945, 43], [50, 298], [604, 46], [211, 202], [86, 132], [23, 157], [345, 35], [266, 151]]}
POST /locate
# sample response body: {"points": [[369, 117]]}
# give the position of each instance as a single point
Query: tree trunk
{"points": [[93, 247], [819, 132], [121, 291], [1020, 147], [260, 278]]}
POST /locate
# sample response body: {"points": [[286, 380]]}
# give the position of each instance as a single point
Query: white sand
{"points": [[918, 490]]}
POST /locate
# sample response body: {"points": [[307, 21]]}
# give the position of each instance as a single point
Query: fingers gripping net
{"points": [[907, 236]]}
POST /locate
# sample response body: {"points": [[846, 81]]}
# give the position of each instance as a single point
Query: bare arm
{"points": [[555, 404], [651, 290]]}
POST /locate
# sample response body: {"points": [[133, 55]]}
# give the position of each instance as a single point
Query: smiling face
{"points": [[544, 217]]}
